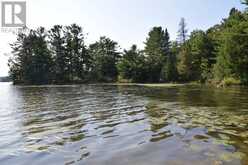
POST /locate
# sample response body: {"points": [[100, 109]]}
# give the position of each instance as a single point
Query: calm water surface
{"points": [[123, 125]]}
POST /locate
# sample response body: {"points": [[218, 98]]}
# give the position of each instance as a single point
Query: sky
{"points": [[125, 21]]}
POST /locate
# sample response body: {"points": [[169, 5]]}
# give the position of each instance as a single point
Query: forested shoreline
{"points": [[60, 55]]}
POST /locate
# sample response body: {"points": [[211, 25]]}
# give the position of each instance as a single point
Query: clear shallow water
{"points": [[120, 125]]}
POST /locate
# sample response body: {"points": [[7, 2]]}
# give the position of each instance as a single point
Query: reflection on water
{"points": [[112, 125]]}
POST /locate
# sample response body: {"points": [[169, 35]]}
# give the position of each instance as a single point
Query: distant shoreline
{"points": [[158, 85], [5, 79]]}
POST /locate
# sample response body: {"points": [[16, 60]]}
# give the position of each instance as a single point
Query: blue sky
{"points": [[126, 21]]}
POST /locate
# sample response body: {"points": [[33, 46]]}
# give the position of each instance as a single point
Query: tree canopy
{"points": [[60, 55]]}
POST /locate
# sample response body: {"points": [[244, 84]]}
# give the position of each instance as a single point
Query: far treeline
{"points": [[60, 56], [5, 79]]}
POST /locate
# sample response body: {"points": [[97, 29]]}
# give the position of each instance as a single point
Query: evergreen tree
{"points": [[32, 61], [245, 2], [166, 43], [169, 71], [220, 52], [75, 51], [156, 49], [182, 32], [202, 54], [184, 67], [57, 41], [232, 59]]}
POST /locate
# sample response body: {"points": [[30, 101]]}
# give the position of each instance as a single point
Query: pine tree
{"points": [[245, 2], [182, 32], [57, 41], [185, 63], [32, 61], [157, 47], [75, 50], [169, 71]]}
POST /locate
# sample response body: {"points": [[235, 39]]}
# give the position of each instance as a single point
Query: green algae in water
{"points": [[77, 137], [201, 137], [228, 157], [195, 147], [196, 125]]}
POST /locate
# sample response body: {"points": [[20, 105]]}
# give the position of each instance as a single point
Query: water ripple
{"points": [[97, 124]]}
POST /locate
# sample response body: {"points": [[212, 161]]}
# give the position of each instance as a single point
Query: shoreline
{"points": [[111, 83], [130, 84]]}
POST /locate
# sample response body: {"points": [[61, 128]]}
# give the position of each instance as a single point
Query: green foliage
{"points": [[157, 47], [75, 52], [184, 67], [245, 2], [169, 71], [32, 60], [230, 81], [202, 54], [232, 59], [61, 56], [133, 66], [104, 56], [57, 41]]}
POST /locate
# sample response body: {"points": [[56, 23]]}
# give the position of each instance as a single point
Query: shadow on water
{"points": [[97, 124]]}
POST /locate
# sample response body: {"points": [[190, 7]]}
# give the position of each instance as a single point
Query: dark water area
{"points": [[123, 125]]}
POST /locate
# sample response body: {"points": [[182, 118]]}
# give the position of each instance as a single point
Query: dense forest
{"points": [[60, 55]]}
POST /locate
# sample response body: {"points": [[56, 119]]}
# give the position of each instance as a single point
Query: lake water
{"points": [[123, 125]]}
